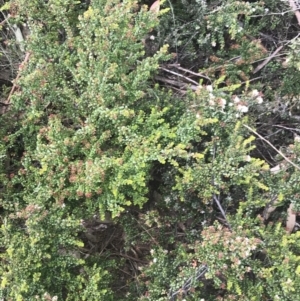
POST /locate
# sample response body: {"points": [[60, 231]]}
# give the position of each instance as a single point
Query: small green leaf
{"points": [[6, 6]]}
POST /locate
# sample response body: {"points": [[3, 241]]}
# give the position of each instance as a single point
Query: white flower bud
{"points": [[211, 99], [297, 139], [259, 100], [222, 102], [242, 108], [254, 93], [209, 88], [236, 99]]}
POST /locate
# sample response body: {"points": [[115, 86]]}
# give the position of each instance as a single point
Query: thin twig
{"points": [[106, 243], [221, 210], [293, 39], [274, 14], [286, 128], [267, 60], [174, 24], [188, 284], [189, 71], [180, 75], [177, 83], [153, 239], [278, 55], [130, 257], [268, 142], [5, 20], [250, 80], [217, 200], [14, 87]]}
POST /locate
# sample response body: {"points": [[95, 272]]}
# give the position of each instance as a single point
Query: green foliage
{"points": [[90, 133], [83, 116], [85, 102], [43, 259]]}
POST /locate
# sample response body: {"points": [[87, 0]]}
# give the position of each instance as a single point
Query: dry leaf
{"points": [[291, 219], [155, 7]]}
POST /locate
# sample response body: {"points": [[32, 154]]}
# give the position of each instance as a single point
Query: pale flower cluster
{"points": [[213, 100], [257, 96], [242, 106]]}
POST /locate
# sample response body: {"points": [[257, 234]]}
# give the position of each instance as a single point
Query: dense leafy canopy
{"points": [[130, 168]]}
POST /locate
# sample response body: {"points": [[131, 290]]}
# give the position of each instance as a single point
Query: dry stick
{"points": [[295, 9], [221, 210], [171, 81], [5, 20], [267, 60], [191, 72], [286, 128], [250, 80], [180, 75], [217, 199], [275, 14], [7, 102], [153, 239], [278, 151], [176, 83], [130, 257], [188, 284]]}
